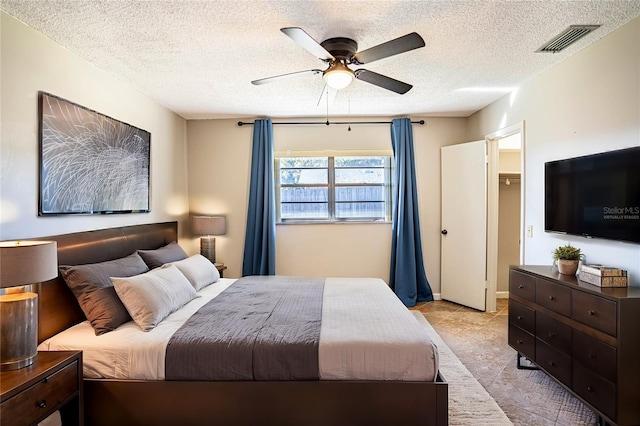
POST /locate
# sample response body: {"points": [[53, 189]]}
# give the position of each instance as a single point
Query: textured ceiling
{"points": [[198, 57]]}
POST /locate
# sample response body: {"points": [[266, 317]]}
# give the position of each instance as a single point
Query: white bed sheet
{"points": [[366, 334]]}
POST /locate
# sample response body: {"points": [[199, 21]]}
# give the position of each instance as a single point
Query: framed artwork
{"points": [[90, 163]]}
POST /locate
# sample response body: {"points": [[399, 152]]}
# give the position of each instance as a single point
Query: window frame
{"points": [[331, 186]]}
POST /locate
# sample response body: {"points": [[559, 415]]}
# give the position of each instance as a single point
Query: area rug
{"points": [[469, 402]]}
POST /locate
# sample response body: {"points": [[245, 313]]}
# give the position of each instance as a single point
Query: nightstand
{"points": [[53, 382], [220, 267]]}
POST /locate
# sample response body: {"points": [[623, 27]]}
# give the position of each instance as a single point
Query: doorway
{"points": [[506, 230], [509, 196]]}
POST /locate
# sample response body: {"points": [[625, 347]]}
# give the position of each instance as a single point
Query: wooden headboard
{"points": [[57, 307]]}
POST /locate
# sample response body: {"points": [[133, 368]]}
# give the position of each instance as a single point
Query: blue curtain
{"points": [[260, 238], [407, 278]]}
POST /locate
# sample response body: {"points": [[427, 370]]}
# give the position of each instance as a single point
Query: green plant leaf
{"points": [[567, 252]]}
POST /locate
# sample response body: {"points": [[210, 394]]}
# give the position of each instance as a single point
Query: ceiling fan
{"points": [[340, 52]]}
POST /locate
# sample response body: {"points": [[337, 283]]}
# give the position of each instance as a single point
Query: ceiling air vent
{"points": [[567, 38]]}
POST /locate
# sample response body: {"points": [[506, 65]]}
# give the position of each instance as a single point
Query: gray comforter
{"points": [[261, 328]]}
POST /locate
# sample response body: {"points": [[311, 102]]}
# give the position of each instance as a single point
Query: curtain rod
{"points": [[242, 123]]}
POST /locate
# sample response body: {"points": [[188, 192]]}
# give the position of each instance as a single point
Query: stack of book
{"points": [[603, 276]]}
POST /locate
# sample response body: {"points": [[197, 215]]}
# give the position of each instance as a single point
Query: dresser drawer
{"points": [[522, 342], [554, 296], [595, 311], [28, 406], [522, 316], [554, 362], [523, 285], [595, 355], [595, 390], [554, 333]]}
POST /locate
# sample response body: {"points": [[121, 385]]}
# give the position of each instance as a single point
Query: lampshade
{"points": [[209, 225], [338, 76], [22, 263], [27, 262]]}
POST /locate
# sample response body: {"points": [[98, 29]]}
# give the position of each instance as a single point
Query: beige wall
{"points": [[509, 162], [32, 62], [219, 162], [219, 159], [589, 103]]}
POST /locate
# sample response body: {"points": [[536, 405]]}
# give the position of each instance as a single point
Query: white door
{"points": [[464, 224]]}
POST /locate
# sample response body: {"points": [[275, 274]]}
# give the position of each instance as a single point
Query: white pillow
{"points": [[152, 296], [199, 271]]}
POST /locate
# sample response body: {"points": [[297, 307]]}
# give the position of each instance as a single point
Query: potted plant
{"points": [[567, 258]]}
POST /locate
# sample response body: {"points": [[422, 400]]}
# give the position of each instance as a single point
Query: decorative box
{"points": [[603, 271], [604, 281]]}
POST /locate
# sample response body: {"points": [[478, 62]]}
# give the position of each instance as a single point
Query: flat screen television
{"points": [[595, 196]]}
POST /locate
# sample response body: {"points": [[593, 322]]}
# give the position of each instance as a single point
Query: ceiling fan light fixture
{"points": [[338, 76]]}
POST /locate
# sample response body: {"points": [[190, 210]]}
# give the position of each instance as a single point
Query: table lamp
{"points": [[208, 226], [22, 263]]}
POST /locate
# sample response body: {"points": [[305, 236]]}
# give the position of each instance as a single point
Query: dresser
{"points": [[586, 337]]}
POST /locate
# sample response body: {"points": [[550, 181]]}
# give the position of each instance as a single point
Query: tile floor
{"points": [[479, 339]]}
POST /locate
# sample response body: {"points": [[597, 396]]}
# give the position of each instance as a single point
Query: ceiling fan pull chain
{"points": [[349, 112], [327, 123]]}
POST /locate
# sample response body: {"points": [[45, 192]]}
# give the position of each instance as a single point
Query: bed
{"points": [[139, 398]]}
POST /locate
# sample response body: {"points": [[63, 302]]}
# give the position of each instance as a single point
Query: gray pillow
{"points": [[158, 257], [91, 285]]}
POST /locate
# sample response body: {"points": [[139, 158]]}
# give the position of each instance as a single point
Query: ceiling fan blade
{"points": [[383, 81], [284, 76], [303, 39], [393, 47]]}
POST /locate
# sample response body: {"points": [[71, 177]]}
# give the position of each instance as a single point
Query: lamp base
{"points": [[16, 365], [18, 330], [208, 248]]}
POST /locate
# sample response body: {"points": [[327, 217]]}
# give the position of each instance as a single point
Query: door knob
{"points": [[443, 232]]}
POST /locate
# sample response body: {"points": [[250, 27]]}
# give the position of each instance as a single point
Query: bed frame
{"points": [[109, 402]]}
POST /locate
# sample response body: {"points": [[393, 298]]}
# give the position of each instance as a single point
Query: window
{"points": [[333, 189]]}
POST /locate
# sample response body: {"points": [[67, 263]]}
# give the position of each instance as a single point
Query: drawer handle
{"points": [[591, 312], [519, 342], [590, 356], [589, 388], [551, 298], [42, 404], [520, 286], [551, 363], [519, 317], [552, 335]]}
